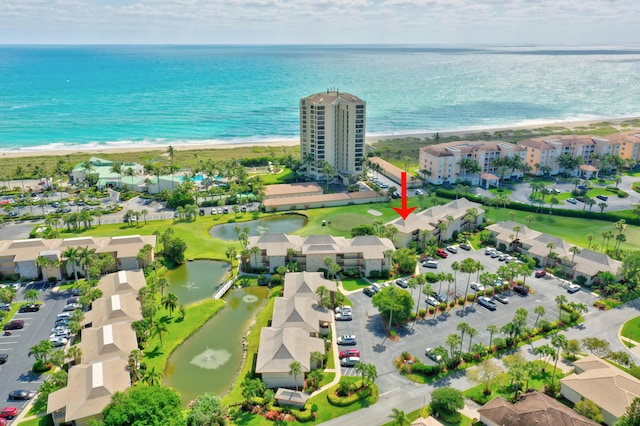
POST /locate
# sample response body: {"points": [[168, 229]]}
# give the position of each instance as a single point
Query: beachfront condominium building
{"points": [[445, 163], [332, 131], [542, 153], [626, 145]]}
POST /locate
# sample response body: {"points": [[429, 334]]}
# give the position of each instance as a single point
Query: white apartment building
{"points": [[332, 130]]}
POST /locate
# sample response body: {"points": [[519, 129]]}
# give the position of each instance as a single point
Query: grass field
{"points": [[631, 329], [350, 284], [39, 421]]}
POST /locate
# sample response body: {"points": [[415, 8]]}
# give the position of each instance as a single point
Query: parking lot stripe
{"points": [[388, 392], [4, 342]]}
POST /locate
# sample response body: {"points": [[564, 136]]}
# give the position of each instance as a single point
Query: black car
{"points": [[520, 289], [29, 308], [602, 197], [22, 394], [369, 291], [73, 300], [4, 358], [440, 297]]}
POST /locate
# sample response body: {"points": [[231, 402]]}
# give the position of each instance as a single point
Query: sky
{"points": [[511, 22]]}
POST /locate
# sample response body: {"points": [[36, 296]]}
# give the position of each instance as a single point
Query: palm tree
{"points": [[540, 311], [72, 257], [171, 152], [160, 327], [152, 377], [463, 327], [589, 238], [559, 341], [399, 418], [295, 368], [170, 302], [492, 329], [86, 257], [75, 353], [31, 295], [530, 219], [560, 300], [472, 332]]}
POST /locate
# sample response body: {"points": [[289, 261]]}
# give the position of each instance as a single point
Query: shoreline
{"points": [[371, 139]]}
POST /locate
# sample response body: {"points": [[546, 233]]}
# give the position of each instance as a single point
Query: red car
{"points": [[8, 412], [540, 273], [349, 353], [442, 253]]}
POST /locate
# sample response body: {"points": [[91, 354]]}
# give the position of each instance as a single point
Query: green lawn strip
{"points": [[331, 363], [500, 191], [571, 229], [503, 384], [424, 412], [631, 329], [350, 284], [39, 421], [326, 411], [179, 331], [328, 378], [282, 177], [253, 339]]}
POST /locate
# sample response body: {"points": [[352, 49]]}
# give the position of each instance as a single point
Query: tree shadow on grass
{"points": [[155, 352]]}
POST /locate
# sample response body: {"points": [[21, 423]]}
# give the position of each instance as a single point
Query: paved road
{"points": [[15, 374]]}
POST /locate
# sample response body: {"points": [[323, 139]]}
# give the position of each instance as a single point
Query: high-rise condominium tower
{"points": [[332, 131]]}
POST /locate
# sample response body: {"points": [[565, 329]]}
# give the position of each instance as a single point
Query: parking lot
{"points": [[15, 373], [432, 331]]}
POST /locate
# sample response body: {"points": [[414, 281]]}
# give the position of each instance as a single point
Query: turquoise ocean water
{"points": [[89, 96]]}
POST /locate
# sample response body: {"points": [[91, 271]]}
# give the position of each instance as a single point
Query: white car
{"points": [[343, 310], [432, 301], [435, 357], [489, 250], [348, 339], [344, 316], [59, 341], [572, 288]]}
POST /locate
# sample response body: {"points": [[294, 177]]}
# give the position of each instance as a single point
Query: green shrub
{"points": [[431, 277], [302, 415], [426, 370], [343, 401]]}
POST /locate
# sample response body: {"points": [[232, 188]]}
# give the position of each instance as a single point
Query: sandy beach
{"points": [[572, 125]]}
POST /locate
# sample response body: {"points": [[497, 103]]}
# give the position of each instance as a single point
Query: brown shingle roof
{"points": [[292, 189], [278, 347], [534, 409]]}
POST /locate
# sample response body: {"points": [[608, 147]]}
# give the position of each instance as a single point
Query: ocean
{"points": [[108, 96]]}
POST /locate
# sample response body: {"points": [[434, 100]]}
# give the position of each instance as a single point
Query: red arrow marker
{"points": [[404, 211]]}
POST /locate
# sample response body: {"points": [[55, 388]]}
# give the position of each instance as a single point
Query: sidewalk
{"points": [[336, 361]]}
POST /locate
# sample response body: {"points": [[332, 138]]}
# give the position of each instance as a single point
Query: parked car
{"points": [[214, 211], [489, 250], [376, 287], [572, 201], [342, 309], [477, 286], [76, 291], [520, 289], [487, 303], [432, 301], [73, 300], [349, 352], [432, 264], [4, 358], [602, 197], [58, 341], [71, 307], [435, 357], [419, 192], [349, 361], [344, 316], [442, 253], [368, 291], [62, 322], [495, 254], [440, 297], [349, 339], [502, 257], [465, 246], [572, 288], [22, 394], [14, 325], [540, 273], [8, 412], [401, 282], [501, 298], [5, 307], [33, 307], [452, 249], [497, 282]]}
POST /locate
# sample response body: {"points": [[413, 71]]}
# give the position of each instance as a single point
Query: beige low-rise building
{"points": [[440, 222], [89, 389], [102, 343], [113, 309], [608, 387], [549, 250], [363, 253], [306, 284], [278, 348], [19, 256], [301, 312]]}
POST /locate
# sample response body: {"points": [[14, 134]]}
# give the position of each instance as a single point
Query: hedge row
{"points": [[610, 217], [343, 401]]}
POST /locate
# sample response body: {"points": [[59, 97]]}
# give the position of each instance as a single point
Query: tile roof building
{"points": [[19, 256], [587, 263], [105, 348], [362, 253], [332, 130], [533, 409], [441, 162], [610, 388], [437, 221]]}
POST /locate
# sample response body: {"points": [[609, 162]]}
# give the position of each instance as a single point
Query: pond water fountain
{"points": [[196, 280], [271, 224], [209, 360]]}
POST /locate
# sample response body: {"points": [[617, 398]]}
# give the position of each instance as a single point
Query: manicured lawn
{"points": [[572, 229], [197, 315], [326, 411], [350, 284], [40, 421], [631, 329], [424, 412], [500, 191], [340, 220], [282, 177], [328, 378]]}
